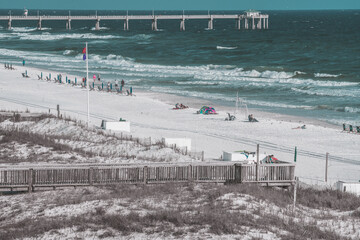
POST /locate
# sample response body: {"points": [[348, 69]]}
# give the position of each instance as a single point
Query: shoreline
{"points": [[197, 103], [151, 114]]}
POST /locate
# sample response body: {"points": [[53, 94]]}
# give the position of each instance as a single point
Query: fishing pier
{"points": [[248, 20]]}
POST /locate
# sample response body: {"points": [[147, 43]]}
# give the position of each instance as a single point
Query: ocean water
{"points": [[306, 64]]}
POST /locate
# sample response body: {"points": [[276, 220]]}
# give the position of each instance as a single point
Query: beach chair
{"points": [[39, 77], [119, 90], [230, 117], [25, 75], [92, 88], [351, 129], [99, 88]]}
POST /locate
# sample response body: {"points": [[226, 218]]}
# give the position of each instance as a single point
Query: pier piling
{"points": [[126, 24], [154, 24], [97, 25], [39, 24], [210, 23], [9, 24], [68, 24]]}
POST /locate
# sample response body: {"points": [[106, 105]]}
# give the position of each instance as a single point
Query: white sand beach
{"points": [[151, 114]]}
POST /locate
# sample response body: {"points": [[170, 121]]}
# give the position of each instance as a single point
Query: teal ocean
{"points": [[306, 64]]}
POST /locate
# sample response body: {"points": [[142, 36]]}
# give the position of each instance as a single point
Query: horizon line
{"points": [[319, 9]]}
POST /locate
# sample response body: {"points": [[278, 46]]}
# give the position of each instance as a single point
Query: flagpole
{"points": [[87, 84]]}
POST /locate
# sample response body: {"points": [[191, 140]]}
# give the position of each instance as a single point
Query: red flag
{"points": [[84, 50]]}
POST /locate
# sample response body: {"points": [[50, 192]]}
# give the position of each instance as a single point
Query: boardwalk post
{"points": [[91, 176], [190, 173], [295, 187], [326, 167], [237, 173], [202, 156], [145, 174], [58, 110], [257, 162], [30, 180]]}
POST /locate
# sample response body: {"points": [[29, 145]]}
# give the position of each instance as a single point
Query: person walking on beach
{"points": [[116, 84], [99, 77], [122, 83], [23, 62]]}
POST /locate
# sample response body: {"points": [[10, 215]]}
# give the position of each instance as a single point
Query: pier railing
{"points": [[30, 178]]}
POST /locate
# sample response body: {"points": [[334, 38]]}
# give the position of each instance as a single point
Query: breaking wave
{"points": [[325, 75], [225, 48], [52, 37], [68, 52]]}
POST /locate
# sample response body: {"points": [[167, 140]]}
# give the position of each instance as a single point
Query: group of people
{"points": [[180, 106], [117, 83]]}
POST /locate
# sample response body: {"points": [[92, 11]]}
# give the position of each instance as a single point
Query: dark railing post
{"points": [[190, 173], [292, 173], [30, 180], [238, 173], [145, 174], [257, 162], [91, 176]]}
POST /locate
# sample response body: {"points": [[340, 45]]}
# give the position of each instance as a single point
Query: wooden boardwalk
{"points": [[31, 178]]}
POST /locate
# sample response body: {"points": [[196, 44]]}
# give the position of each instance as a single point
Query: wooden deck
{"points": [[31, 178]]}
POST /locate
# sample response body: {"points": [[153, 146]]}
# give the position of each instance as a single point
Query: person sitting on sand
{"points": [[183, 106], [252, 119]]}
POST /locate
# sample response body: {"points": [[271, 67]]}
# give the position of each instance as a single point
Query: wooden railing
{"points": [[214, 172]]}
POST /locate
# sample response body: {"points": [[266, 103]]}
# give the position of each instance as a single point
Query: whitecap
{"points": [[225, 48], [352, 110], [326, 75], [67, 52], [101, 28], [23, 29]]}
